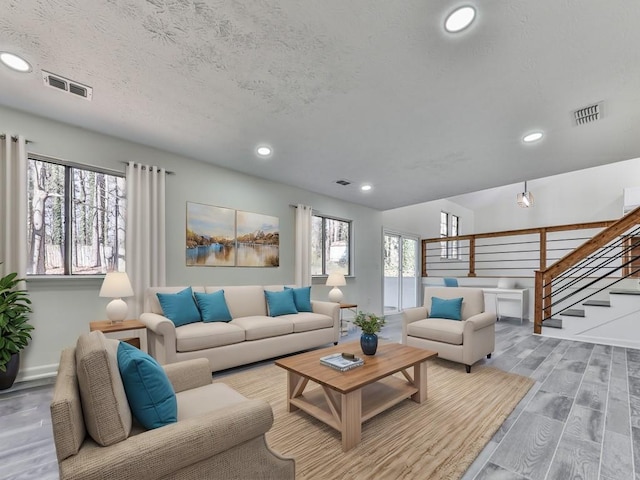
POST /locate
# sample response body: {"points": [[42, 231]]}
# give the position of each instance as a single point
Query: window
{"points": [[330, 246], [449, 227], [76, 219]]}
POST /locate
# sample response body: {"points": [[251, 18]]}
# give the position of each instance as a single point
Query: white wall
{"points": [[63, 308], [423, 219]]}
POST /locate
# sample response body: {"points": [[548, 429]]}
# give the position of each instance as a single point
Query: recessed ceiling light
{"points": [[15, 62], [264, 151], [366, 187], [532, 137], [460, 19]]}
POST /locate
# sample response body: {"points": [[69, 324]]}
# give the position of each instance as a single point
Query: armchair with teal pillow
{"points": [[466, 340]]}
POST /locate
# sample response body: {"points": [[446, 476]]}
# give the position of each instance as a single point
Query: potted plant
{"points": [[15, 331], [370, 324]]}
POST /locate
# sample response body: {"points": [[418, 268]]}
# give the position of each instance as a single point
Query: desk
{"points": [[130, 331], [344, 330], [515, 294]]}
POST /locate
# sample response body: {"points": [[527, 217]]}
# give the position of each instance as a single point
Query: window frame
{"points": [[449, 249], [69, 167], [350, 263]]}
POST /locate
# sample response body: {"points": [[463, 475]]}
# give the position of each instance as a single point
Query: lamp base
{"points": [[117, 310], [335, 295]]}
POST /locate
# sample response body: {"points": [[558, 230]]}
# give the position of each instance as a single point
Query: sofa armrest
{"points": [[160, 452], [410, 315], [161, 336], [482, 320], [330, 309], [188, 374]]}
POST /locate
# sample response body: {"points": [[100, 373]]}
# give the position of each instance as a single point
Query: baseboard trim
{"points": [[36, 373]]}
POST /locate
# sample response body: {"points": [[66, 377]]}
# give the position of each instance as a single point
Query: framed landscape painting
{"points": [[258, 240], [210, 235]]}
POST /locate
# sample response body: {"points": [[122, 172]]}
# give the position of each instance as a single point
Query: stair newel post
{"points": [[537, 314], [472, 257]]}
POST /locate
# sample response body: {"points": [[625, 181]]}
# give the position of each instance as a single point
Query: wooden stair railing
{"points": [[545, 276]]}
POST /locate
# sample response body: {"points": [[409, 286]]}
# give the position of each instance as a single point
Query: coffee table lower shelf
{"points": [[374, 399]]}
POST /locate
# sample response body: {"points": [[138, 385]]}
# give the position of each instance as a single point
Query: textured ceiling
{"points": [[365, 90]]}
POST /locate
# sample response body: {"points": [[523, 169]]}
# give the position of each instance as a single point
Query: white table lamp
{"points": [[336, 280], [116, 285]]}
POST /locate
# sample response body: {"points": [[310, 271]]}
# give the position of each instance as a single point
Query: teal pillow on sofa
{"points": [[213, 306], [149, 391], [302, 298], [446, 308], [280, 303], [179, 307]]}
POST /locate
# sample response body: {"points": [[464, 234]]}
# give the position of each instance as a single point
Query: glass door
{"points": [[401, 278]]}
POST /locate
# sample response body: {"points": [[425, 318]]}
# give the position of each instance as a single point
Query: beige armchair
{"points": [[465, 341], [219, 433]]}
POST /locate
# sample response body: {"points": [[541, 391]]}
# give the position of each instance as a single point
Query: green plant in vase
{"points": [[370, 324], [15, 330]]}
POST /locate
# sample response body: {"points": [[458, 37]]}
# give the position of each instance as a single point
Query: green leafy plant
{"points": [[15, 307], [368, 322]]}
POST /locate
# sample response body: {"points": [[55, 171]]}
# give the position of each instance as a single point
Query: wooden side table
{"points": [[344, 329], [130, 331]]}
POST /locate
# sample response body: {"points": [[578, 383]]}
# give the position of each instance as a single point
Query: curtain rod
{"points": [[144, 167], [14, 138]]}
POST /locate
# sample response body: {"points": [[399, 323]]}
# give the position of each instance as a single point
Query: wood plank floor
{"points": [[580, 420]]}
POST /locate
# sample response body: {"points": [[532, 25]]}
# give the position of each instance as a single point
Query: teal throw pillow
{"points": [[450, 309], [280, 303], [302, 298], [149, 392], [213, 306], [179, 307]]}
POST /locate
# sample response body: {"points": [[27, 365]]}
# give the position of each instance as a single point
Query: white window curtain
{"points": [[302, 263], [146, 249], [13, 205]]}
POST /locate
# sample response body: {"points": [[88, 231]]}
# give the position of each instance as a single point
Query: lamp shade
{"points": [[116, 285], [336, 280]]}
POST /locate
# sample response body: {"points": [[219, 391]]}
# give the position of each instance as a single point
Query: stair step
{"points": [[597, 303], [622, 291], [552, 322], [573, 312]]}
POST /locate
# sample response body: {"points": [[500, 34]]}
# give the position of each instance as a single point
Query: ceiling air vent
{"points": [[344, 183], [56, 81], [588, 114]]}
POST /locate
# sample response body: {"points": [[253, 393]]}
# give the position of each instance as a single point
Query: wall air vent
{"points": [[56, 81], [344, 183], [588, 114]]}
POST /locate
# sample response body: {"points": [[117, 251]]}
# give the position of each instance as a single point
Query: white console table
{"points": [[511, 294]]}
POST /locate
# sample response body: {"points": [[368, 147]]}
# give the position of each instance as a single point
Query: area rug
{"points": [[437, 439]]}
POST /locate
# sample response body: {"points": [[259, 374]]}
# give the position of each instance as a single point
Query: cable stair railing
{"points": [[603, 261]]}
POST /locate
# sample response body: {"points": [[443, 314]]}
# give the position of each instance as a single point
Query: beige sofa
{"points": [[465, 341], [252, 335], [219, 434]]}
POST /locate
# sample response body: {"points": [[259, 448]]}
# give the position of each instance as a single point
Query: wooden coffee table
{"points": [[347, 399]]}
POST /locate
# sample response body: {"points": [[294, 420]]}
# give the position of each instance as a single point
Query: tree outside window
{"points": [[76, 220], [330, 246]]}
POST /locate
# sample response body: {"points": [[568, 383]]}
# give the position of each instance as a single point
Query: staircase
{"points": [[592, 293], [611, 322]]}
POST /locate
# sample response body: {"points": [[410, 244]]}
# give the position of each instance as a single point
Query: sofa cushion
{"points": [[151, 302], [438, 330], [244, 300], [472, 303], [179, 307], [302, 298], [198, 336], [149, 392], [264, 327], [446, 308], [280, 303], [213, 306], [107, 416], [66, 408], [201, 400], [307, 321]]}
